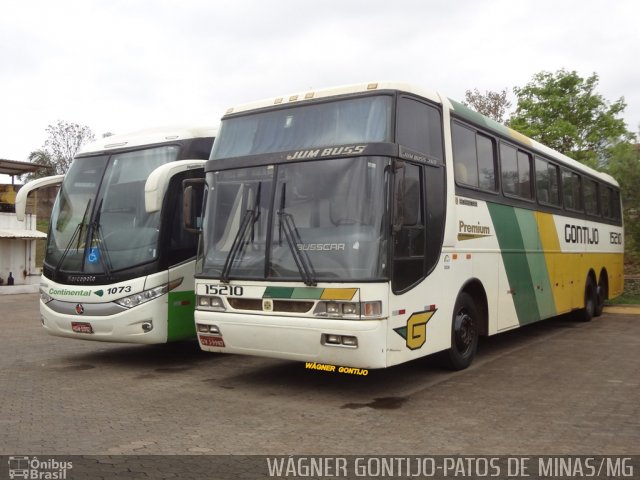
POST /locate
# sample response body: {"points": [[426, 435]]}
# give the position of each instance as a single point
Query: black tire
{"points": [[465, 328], [590, 301], [601, 296]]}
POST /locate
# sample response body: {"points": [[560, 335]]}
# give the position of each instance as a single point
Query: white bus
{"points": [[369, 225], [118, 265]]}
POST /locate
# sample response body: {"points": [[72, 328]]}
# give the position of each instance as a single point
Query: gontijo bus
{"points": [[118, 265], [373, 224]]}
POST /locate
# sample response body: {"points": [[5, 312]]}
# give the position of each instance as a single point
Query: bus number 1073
{"points": [[233, 290]]}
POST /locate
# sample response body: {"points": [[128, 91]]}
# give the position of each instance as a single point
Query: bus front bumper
{"points": [[349, 343], [146, 324]]}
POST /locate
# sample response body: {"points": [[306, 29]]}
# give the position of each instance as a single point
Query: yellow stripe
{"points": [[568, 271], [338, 293]]}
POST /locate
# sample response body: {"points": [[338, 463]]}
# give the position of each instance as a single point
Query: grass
{"points": [[625, 299]]}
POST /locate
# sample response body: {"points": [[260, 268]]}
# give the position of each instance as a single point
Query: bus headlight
{"points": [[44, 297], [147, 295], [349, 310], [206, 302]]}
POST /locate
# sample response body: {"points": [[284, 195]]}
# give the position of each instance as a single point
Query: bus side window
{"points": [[408, 227]]}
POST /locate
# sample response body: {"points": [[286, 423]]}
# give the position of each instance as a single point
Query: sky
{"points": [[124, 65]]}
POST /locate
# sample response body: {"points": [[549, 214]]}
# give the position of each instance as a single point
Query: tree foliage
{"points": [[563, 111], [63, 142], [624, 166], [42, 158], [492, 104]]}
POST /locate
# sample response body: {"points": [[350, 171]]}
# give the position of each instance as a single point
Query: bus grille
{"points": [[285, 306]]}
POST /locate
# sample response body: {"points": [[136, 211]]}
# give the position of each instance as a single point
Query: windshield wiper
{"points": [[239, 242], [95, 235], [293, 238], [77, 236]]}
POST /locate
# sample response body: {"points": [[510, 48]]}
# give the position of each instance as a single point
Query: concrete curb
{"points": [[623, 309]]}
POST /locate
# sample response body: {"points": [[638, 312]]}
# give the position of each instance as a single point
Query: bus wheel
{"points": [[590, 301], [464, 333], [601, 295]]}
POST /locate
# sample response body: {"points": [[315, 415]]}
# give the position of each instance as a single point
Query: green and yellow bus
{"points": [[373, 224]]}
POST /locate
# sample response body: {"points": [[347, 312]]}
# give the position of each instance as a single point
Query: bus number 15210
{"points": [[232, 290]]}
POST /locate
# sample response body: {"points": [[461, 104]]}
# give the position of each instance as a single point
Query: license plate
{"points": [[210, 341], [81, 327]]}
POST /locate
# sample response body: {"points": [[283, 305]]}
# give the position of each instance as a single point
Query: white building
{"points": [[17, 239], [18, 253]]}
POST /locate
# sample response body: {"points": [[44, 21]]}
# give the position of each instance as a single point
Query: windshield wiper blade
{"points": [[300, 257], [239, 242], [95, 234], [77, 235]]}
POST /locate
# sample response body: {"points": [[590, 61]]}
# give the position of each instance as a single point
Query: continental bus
{"points": [[118, 265], [369, 225]]}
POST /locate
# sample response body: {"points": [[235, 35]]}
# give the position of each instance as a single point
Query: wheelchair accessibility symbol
{"points": [[94, 255]]}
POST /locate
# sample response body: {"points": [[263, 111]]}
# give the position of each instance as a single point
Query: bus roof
{"points": [[149, 137], [456, 107], [333, 92]]}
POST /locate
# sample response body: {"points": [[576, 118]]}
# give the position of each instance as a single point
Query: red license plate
{"points": [[210, 341], [81, 327]]}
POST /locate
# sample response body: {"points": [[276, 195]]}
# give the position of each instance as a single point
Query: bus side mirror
{"points": [[192, 204]]}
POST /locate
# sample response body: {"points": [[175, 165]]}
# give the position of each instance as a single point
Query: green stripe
{"points": [[181, 325], [537, 264], [512, 233], [293, 292]]}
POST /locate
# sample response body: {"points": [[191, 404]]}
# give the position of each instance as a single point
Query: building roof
{"points": [[11, 167], [21, 233]]}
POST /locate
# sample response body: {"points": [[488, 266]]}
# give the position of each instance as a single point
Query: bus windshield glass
{"points": [[357, 120], [281, 223], [99, 223]]}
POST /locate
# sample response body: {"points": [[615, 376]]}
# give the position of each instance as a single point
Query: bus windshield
{"points": [[281, 223], [99, 223], [363, 120]]}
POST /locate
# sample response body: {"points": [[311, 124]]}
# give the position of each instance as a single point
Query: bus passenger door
{"points": [[179, 250]]}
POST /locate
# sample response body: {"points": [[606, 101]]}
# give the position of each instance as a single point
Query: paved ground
{"points": [[557, 387]]}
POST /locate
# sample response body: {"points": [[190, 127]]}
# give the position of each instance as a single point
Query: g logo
{"points": [[415, 333]]}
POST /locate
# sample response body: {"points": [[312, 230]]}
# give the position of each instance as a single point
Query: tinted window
{"points": [[409, 237], [509, 166], [547, 182], [419, 127], [524, 174], [591, 197], [571, 188], [464, 155], [474, 158]]}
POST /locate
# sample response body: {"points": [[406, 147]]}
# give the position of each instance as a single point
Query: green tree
{"points": [[563, 111], [624, 166], [492, 104], [47, 167]]}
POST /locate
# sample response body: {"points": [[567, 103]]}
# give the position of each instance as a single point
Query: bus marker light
{"points": [[202, 328], [349, 341], [214, 329], [333, 339], [372, 309], [147, 326]]}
